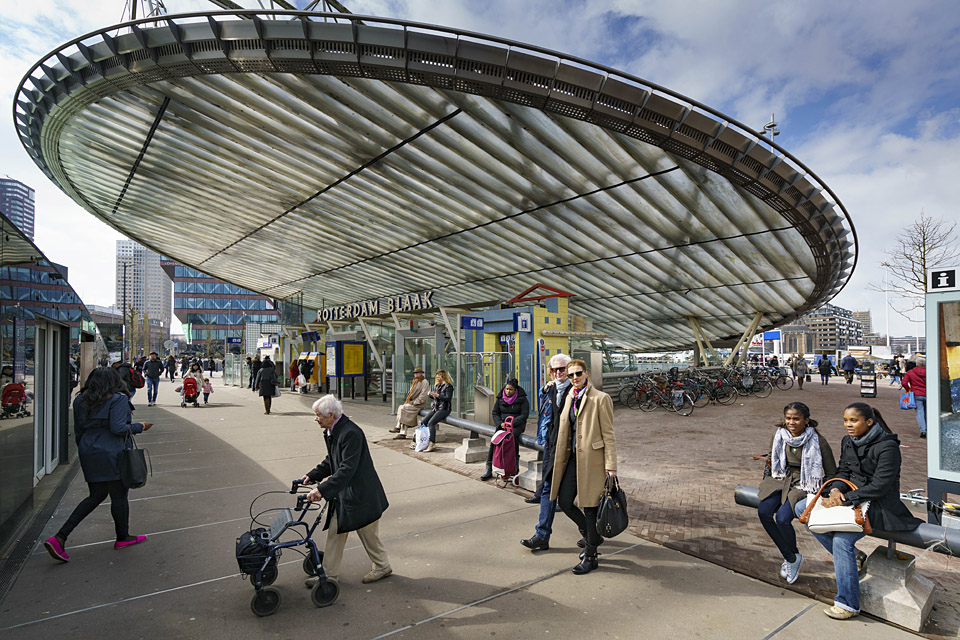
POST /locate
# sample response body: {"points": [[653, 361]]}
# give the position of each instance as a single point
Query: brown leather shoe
{"points": [[395, 430], [400, 437]]}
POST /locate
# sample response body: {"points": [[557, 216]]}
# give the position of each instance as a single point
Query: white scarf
{"points": [[811, 463]]}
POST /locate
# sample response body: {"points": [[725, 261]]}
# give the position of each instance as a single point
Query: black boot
{"points": [[488, 473], [536, 543], [589, 562]]}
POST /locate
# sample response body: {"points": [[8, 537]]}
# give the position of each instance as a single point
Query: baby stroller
{"points": [[13, 401], [190, 392], [259, 548]]}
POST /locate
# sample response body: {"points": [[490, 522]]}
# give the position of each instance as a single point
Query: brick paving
{"points": [[680, 474]]}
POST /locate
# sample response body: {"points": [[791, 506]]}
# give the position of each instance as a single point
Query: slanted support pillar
{"points": [[744, 342], [702, 341]]}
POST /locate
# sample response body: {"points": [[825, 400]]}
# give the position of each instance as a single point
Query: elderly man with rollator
{"points": [[409, 412]]}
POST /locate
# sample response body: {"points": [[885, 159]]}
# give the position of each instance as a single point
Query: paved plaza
{"points": [[459, 571]]}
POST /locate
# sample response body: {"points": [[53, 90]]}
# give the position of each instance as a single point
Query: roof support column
{"points": [[702, 341], [373, 346], [744, 341], [450, 332]]}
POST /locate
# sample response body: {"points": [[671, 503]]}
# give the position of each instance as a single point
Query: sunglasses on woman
{"points": [[577, 374]]}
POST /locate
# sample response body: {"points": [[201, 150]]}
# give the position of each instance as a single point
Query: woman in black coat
{"points": [[870, 459], [512, 401], [266, 381], [442, 395], [102, 422]]}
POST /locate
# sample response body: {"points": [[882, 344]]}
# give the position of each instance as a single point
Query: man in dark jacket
{"points": [[553, 396], [255, 366], [849, 365], [352, 489], [126, 374], [152, 370]]}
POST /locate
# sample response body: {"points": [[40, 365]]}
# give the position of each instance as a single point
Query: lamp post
{"points": [[123, 313]]}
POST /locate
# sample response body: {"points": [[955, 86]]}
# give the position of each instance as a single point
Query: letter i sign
{"points": [[943, 279]]}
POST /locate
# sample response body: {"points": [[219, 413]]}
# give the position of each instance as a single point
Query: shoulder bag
{"points": [[820, 519], [908, 400], [612, 518], [133, 466]]}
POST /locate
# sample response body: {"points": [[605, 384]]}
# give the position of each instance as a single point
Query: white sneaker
{"points": [[793, 569], [783, 569]]}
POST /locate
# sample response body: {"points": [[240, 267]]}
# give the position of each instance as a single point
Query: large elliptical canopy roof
{"points": [[347, 159]]}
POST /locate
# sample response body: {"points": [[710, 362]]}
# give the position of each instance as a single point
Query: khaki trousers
{"points": [[336, 542]]}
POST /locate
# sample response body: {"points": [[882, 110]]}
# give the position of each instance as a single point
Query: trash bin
{"points": [[483, 400]]}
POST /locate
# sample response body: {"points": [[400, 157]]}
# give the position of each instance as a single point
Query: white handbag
{"points": [[821, 519]]}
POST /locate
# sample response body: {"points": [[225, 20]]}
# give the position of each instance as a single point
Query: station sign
{"points": [[941, 280], [401, 303], [771, 335], [234, 340], [473, 323], [523, 321], [507, 338]]}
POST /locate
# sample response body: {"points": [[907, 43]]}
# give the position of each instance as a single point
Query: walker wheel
{"points": [[308, 567], [265, 602], [183, 405], [501, 482], [325, 593], [516, 480], [269, 575]]}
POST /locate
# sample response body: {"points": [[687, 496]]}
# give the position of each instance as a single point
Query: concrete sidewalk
{"points": [[459, 571]]}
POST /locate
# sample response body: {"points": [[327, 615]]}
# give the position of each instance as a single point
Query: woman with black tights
{"points": [[586, 454], [102, 422]]}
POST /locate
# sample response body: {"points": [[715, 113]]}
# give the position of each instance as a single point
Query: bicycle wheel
{"points": [[647, 401], [784, 383], [624, 395], [701, 397], [685, 408], [762, 388], [726, 394], [631, 401]]}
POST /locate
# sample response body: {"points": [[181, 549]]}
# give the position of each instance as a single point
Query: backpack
{"points": [[504, 451], [421, 438], [136, 379]]}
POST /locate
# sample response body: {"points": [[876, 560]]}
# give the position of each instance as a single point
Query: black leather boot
{"points": [[589, 562], [536, 543], [488, 473]]}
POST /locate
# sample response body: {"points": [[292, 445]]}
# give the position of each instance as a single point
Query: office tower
{"points": [[142, 285], [17, 204]]}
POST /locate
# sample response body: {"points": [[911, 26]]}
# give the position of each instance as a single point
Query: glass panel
{"points": [[949, 378]]}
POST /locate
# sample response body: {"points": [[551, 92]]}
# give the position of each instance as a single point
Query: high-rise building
{"points": [[211, 310], [17, 203], [142, 285], [865, 320], [835, 327]]}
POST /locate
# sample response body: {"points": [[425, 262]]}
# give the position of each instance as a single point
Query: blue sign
{"points": [[771, 335], [507, 338], [233, 340], [522, 321], [473, 323]]}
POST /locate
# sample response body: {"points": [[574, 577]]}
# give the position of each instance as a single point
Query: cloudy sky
{"points": [[867, 94]]}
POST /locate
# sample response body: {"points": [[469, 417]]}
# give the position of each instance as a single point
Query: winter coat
{"points": [[102, 436], [520, 409], [916, 381], [825, 367], [548, 402], [266, 379], [596, 447], [875, 469], [444, 397], [416, 400], [349, 480], [800, 368], [849, 363], [787, 485], [153, 368]]}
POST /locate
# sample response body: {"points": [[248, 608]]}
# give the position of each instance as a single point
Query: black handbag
{"points": [[612, 518], [133, 466]]}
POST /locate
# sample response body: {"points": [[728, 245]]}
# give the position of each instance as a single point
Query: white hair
{"points": [[559, 360], [327, 406]]}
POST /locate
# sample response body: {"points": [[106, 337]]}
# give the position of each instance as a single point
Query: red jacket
{"points": [[916, 381]]}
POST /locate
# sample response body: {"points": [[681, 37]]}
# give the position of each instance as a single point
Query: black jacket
{"points": [[444, 397], [349, 480], [153, 368], [875, 468], [266, 379], [520, 409], [550, 448], [102, 435]]}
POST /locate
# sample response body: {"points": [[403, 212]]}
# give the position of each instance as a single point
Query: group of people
{"points": [[801, 461]]}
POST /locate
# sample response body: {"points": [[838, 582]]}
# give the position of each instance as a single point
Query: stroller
{"points": [[259, 549], [190, 392], [13, 401]]}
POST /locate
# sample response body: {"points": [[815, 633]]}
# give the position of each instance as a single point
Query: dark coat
{"points": [[444, 397], [102, 436], [349, 480], [550, 447], [875, 468], [520, 409], [153, 368], [825, 367], [126, 374], [266, 379], [786, 485]]}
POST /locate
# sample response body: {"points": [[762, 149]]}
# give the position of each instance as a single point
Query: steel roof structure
{"points": [[351, 158]]}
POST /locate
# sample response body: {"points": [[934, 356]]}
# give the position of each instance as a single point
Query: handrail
{"points": [[477, 428], [942, 539]]}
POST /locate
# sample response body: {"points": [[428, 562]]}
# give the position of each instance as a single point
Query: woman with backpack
{"points": [[825, 367], [511, 402], [102, 416], [586, 455]]}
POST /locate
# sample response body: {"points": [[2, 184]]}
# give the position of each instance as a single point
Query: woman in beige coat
{"points": [[586, 431]]}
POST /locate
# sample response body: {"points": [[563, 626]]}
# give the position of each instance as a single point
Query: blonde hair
{"points": [[444, 376]]}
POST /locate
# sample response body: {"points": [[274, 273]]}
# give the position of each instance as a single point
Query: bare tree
{"points": [[925, 244]]}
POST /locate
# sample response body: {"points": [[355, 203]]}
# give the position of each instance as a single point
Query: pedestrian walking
{"points": [[916, 381], [266, 383], [511, 401], [171, 367], [849, 366], [442, 395], [869, 458], [552, 396], [825, 367], [586, 455], [294, 374], [207, 390], [800, 370], [153, 369], [800, 459], [102, 422], [350, 485], [255, 365]]}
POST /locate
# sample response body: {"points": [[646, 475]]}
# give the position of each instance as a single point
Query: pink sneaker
{"points": [[129, 543], [55, 549]]}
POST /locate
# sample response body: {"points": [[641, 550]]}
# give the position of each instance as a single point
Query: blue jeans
{"points": [[921, 412], [548, 508], [843, 547], [777, 521], [152, 385]]}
